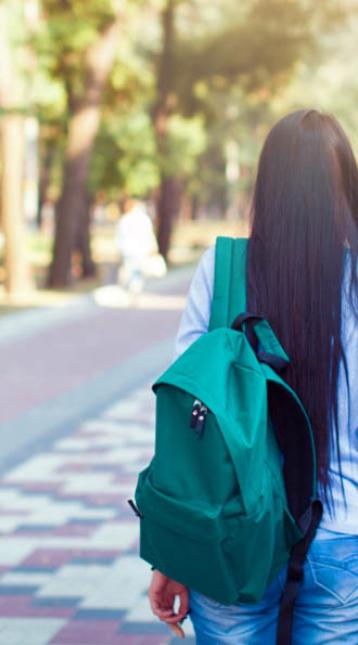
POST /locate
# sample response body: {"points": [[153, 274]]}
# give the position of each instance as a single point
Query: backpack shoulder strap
{"points": [[229, 297]]}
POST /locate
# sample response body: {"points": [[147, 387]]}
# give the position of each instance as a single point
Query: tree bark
{"points": [[17, 270], [166, 201], [85, 114], [17, 273], [168, 207], [83, 245], [45, 177]]}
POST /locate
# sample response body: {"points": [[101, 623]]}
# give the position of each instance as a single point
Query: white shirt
{"points": [[135, 236]]}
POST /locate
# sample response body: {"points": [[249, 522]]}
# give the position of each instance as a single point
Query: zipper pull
{"points": [[195, 412], [200, 424], [134, 508]]}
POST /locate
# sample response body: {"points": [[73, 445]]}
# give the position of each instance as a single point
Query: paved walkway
{"points": [[61, 366], [72, 446], [69, 542]]}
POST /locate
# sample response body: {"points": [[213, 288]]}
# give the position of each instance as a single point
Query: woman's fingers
{"points": [[162, 594], [177, 630], [159, 604], [159, 610], [183, 606], [184, 603]]}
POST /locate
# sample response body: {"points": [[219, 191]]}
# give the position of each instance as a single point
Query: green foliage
{"points": [[330, 83], [187, 140], [125, 156], [258, 48], [234, 72], [69, 29], [74, 24]]}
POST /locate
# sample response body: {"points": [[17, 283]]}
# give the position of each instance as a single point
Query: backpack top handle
{"points": [[230, 298], [263, 340]]}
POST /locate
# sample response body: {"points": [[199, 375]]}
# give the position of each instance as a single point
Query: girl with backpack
{"points": [[302, 277]]}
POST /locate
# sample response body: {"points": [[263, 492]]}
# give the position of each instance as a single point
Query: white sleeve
{"points": [[196, 316]]}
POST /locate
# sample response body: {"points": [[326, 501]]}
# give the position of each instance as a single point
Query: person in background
{"points": [[136, 243]]}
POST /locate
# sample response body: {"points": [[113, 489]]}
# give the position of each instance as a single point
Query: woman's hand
{"points": [[162, 593]]}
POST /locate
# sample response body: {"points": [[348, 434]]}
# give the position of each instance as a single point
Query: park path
{"points": [[76, 427], [61, 366]]}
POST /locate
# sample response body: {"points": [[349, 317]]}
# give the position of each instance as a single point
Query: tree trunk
{"points": [[85, 114], [71, 203], [166, 201], [17, 274], [168, 207], [17, 271], [83, 245], [45, 177]]}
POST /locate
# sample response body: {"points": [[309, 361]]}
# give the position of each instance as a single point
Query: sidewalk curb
{"points": [[24, 324], [49, 421]]}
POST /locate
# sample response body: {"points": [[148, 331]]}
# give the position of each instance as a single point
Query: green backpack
{"points": [[225, 504]]}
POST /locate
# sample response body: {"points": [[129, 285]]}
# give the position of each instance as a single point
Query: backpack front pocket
{"points": [[196, 521], [184, 541]]}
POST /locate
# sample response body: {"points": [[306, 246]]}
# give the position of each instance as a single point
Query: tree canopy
{"points": [[170, 99]]}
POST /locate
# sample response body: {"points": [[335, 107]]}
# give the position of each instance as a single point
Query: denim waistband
{"points": [[326, 534]]}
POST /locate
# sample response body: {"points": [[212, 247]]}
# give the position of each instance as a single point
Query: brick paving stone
{"points": [[69, 567], [28, 631]]}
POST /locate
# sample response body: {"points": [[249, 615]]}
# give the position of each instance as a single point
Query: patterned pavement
{"points": [[69, 567]]}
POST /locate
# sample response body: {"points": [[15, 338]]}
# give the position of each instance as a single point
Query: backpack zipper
{"points": [[195, 413], [198, 417]]}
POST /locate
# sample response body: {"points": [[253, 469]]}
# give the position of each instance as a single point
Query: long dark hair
{"points": [[304, 229]]}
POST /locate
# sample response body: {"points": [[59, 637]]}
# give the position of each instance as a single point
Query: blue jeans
{"points": [[326, 610]]}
